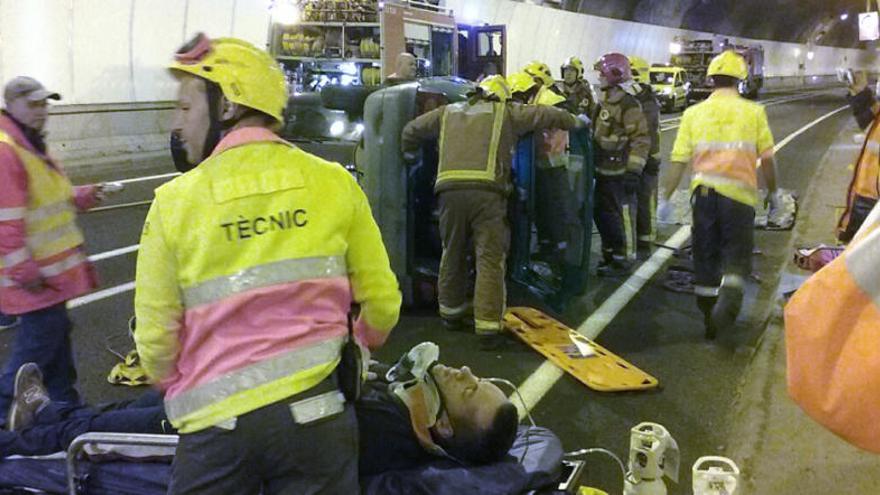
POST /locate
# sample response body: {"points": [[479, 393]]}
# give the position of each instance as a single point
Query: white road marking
{"points": [[101, 294], [114, 253], [536, 386], [148, 178]]}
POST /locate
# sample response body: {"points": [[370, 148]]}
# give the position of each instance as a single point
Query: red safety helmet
{"points": [[614, 67]]}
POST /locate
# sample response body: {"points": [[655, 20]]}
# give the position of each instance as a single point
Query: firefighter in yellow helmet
{"points": [[724, 186], [473, 181], [556, 218], [578, 92], [646, 216], [248, 267]]}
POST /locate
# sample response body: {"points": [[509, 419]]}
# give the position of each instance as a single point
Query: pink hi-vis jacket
{"points": [[65, 274], [247, 270]]}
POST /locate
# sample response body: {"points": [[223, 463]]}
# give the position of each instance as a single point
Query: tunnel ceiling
{"points": [[801, 21]]}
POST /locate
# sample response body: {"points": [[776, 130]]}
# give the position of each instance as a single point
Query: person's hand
{"points": [[631, 182], [105, 189], [665, 211], [773, 203], [410, 158], [859, 83]]}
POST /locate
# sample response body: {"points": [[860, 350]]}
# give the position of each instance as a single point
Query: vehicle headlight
{"points": [[337, 128]]}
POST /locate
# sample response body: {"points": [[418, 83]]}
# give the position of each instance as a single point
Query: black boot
{"points": [[706, 305], [727, 309]]}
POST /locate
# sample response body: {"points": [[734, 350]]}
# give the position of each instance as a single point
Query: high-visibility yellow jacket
{"points": [[247, 269], [722, 138], [833, 344], [39, 238]]}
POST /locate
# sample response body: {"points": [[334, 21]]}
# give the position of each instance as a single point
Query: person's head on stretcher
{"points": [[478, 423]]}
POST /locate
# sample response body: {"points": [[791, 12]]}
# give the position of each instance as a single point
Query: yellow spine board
{"points": [[602, 371]]}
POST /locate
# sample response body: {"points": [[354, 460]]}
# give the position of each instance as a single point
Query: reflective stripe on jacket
{"points": [[722, 138], [833, 344], [247, 269], [464, 163], [621, 135], [40, 238], [468, 159]]}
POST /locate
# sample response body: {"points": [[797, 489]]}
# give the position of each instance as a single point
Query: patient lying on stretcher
{"points": [[408, 415]]}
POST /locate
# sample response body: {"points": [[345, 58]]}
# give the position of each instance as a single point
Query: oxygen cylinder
{"points": [[653, 454], [715, 475]]}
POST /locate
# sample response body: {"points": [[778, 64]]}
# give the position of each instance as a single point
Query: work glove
{"points": [[665, 211], [773, 203], [105, 189], [583, 121], [631, 182]]}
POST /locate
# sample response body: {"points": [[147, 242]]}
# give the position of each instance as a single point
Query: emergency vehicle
{"points": [[694, 56]]}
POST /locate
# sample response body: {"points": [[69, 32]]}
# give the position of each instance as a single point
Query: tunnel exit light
{"points": [[675, 48], [844, 16], [811, 55]]}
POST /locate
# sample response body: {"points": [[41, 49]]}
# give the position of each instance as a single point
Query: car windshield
{"points": [[662, 77], [308, 119]]}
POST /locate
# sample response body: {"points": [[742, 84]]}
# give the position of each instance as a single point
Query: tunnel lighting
{"points": [[675, 48], [337, 128], [797, 52], [811, 55], [427, 63], [285, 12], [844, 16], [471, 14]]}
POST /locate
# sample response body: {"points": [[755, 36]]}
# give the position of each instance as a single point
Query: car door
{"points": [[555, 289]]}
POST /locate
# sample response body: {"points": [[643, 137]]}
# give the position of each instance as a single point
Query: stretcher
{"points": [[535, 465]]}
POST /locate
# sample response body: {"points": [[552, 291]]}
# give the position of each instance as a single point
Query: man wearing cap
{"points": [[42, 260]]}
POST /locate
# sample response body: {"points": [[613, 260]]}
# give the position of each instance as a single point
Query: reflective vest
{"points": [[865, 184], [245, 278], [552, 150], [832, 335], [50, 219], [480, 124], [722, 138]]}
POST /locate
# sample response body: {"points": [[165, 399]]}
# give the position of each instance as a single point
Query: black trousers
{"points": [[269, 451], [615, 217], [723, 236]]}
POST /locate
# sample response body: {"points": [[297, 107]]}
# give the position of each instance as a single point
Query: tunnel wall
{"points": [[552, 35], [107, 59]]}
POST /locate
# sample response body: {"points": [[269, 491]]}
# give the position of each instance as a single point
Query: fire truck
{"points": [[356, 42], [694, 57]]}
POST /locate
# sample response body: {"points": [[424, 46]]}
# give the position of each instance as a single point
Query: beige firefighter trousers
{"points": [[478, 216]]}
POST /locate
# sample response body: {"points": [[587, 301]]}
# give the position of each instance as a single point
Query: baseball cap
{"points": [[28, 87]]}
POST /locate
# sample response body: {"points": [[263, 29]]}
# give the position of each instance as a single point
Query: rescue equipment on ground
{"points": [[589, 362], [129, 372], [815, 258], [653, 455], [714, 475]]}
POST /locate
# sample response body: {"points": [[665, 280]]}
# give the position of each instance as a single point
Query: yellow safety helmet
{"points": [[573, 63], [520, 82], [540, 70], [640, 69], [548, 97], [729, 63], [246, 75], [496, 86]]}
